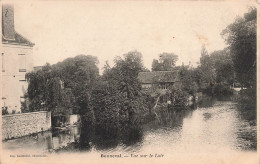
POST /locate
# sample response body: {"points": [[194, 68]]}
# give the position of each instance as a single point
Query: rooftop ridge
{"points": [[158, 76], [19, 40], [31, 43]]}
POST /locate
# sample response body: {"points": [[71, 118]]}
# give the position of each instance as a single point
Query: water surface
{"points": [[213, 127]]}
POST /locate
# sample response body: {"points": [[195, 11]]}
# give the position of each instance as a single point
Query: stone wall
{"points": [[18, 125]]}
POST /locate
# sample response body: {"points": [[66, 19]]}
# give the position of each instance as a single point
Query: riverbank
{"points": [[210, 129], [207, 134]]}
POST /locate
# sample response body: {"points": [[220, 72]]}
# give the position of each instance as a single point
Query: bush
{"points": [[218, 90], [222, 90], [247, 99], [246, 102], [207, 90], [25, 105], [4, 110], [179, 99]]}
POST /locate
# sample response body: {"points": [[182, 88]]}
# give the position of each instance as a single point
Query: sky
{"points": [[108, 29]]}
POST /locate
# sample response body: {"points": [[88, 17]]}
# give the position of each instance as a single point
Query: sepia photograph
{"points": [[129, 82]]}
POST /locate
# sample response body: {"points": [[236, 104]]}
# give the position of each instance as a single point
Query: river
{"points": [[215, 126]]}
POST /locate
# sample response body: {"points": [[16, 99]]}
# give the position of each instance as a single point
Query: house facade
{"points": [[159, 80], [17, 60]]}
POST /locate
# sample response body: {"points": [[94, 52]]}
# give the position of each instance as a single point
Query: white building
{"points": [[17, 60]]}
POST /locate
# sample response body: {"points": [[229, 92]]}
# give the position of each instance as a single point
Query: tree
{"points": [[4, 110], [166, 62], [216, 72], [206, 68], [79, 74], [187, 77], [224, 66], [204, 51], [65, 87], [122, 81], [117, 95], [37, 88], [241, 38]]}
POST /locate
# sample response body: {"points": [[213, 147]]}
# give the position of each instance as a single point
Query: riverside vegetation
{"points": [[113, 102]]}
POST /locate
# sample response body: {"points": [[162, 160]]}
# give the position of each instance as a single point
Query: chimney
{"points": [[8, 22]]}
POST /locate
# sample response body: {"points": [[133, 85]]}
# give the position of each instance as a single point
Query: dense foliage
{"points": [[166, 62], [110, 102], [241, 38], [189, 80], [216, 75], [74, 86], [117, 95], [4, 110], [63, 88]]}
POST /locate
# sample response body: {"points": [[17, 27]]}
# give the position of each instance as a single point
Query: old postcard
{"points": [[129, 82]]}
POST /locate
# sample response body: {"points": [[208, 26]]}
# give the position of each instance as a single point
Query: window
{"points": [[22, 62], [22, 88], [22, 99], [61, 84], [3, 62], [163, 86]]}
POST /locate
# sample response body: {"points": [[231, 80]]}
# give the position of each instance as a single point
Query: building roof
{"points": [[19, 39], [158, 76]]}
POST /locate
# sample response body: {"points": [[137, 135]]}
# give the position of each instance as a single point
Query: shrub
{"points": [[218, 90], [25, 104], [247, 99], [5, 110], [179, 98], [246, 102], [223, 90]]}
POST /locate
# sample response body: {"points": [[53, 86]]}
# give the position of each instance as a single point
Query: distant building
{"points": [[159, 80], [37, 68], [17, 60]]}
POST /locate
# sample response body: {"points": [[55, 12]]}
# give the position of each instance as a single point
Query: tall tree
{"points": [[79, 74], [64, 87], [122, 80], [204, 51], [117, 95], [241, 37], [166, 62], [224, 66], [206, 68], [215, 68]]}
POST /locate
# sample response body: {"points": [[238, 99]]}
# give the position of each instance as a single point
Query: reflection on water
{"points": [[213, 127], [45, 141]]}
